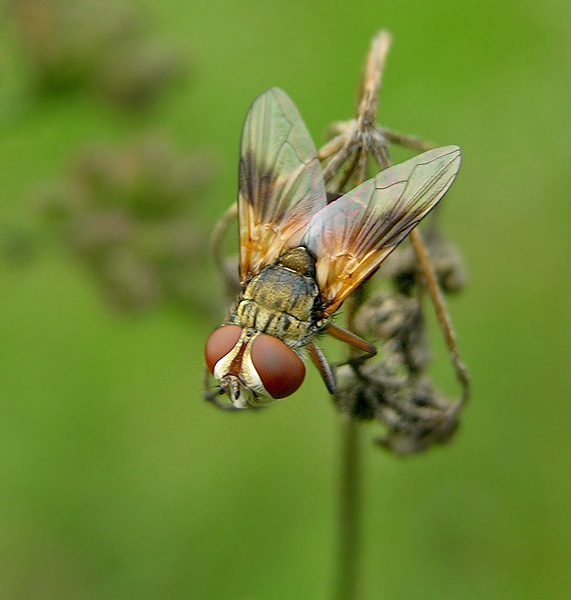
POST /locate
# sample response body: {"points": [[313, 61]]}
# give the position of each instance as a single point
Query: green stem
{"points": [[349, 514]]}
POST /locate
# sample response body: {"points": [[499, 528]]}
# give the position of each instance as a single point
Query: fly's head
{"points": [[252, 368]]}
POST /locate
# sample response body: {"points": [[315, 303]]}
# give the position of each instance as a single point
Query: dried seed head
{"points": [[396, 320], [391, 388], [412, 412], [423, 417], [403, 268]]}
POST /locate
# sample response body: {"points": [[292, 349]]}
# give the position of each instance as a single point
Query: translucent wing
{"points": [[280, 182], [351, 236]]}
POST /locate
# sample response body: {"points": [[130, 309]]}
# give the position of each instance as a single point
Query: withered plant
{"points": [[392, 388]]}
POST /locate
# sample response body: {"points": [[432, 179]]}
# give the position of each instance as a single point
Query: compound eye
{"points": [[219, 343], [279, 367]]}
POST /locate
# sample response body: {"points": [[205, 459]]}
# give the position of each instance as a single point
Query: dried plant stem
{"points": [[350, 504], [441, 313], [372, 77], [409, 141]]}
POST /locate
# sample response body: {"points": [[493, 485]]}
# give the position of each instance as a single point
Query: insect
{"points": [[300, 257]]}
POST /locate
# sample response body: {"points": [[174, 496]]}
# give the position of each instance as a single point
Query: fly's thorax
{"points": [[299, 260], [282, 299]]}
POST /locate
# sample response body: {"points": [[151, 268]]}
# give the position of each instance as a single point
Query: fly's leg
{"points": [[368, 350], [323, 366]]}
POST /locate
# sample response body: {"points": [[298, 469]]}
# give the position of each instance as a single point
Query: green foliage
{"points": [[117, 481]]}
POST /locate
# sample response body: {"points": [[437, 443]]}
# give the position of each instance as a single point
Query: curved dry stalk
{"points": [[434, 290], [442, 314], [338, 159], [219, 233]]}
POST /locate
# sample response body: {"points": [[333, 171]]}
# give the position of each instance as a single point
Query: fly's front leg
{"points": [[323, 366], [367, 349], [353, 340]]}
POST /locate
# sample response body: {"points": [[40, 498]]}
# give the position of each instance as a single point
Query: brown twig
{"points": [[441, 313]]}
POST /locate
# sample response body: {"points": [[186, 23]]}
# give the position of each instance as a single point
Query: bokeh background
{"points": [[116, 479]]}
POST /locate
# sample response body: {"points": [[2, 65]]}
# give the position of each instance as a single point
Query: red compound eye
{"points": [[219, 343], [279, 367]]}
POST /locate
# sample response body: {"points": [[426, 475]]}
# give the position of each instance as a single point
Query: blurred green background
{"points": [[118, 481]]}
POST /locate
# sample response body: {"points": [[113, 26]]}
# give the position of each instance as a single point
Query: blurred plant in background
{"points": [[128, 215], [94, 45], [17, 247], [125, 211]]}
